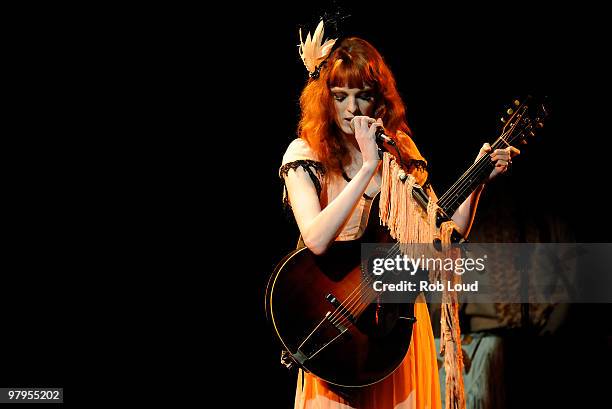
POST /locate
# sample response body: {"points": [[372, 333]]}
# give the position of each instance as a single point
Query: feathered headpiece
{"points": [[313, 53]]}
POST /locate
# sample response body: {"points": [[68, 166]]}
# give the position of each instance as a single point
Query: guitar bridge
{"points": [[341, 310]]}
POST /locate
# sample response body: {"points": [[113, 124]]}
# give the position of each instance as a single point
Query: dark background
{"points": [[457, 68], [102, 164]]}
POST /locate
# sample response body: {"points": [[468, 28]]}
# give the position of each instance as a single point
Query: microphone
{"points": [[381, 137]]}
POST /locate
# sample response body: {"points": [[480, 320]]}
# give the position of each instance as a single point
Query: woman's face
{"points": [[351, 102]]}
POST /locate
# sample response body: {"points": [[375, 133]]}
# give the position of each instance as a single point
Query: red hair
{"points": [[354, 63]]}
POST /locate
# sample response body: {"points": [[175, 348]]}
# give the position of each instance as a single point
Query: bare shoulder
{"points": [[298, 149]]}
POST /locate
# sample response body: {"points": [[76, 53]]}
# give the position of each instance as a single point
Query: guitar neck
{"points": [[521, 124], [450, 201], [465, 185]]}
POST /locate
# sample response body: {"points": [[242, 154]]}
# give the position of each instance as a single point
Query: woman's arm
{"points": [[319, 227], [464, 215]]}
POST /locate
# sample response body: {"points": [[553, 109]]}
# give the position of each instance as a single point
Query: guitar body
{"points": [[306, 298]]}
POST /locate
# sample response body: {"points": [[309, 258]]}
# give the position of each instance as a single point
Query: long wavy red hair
{"points": [[354, 63]]}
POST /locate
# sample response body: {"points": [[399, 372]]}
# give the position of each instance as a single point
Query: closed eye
{"points": [[364, 96]]}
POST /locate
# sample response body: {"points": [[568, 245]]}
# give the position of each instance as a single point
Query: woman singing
{"points": [[331, 173]]}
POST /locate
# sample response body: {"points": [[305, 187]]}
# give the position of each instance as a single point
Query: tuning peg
{"points": [[503, 120], [539, 125], [510, 111], [517, 102]]}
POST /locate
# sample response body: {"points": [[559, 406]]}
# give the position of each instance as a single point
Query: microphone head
{"points": [[380, 136]]}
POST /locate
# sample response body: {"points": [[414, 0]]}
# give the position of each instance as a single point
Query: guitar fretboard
{"points": [[468, 182]]}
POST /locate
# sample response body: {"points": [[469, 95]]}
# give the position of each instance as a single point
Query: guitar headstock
{"points": [[523, 119]]}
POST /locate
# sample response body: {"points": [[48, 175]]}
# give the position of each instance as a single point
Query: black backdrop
{"points": [[97, 85]]}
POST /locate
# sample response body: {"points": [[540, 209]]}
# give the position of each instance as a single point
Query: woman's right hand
{"points": [[365, 134]]}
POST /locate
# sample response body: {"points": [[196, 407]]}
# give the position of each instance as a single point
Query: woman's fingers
{"points": [[502, 159], [508, 153], [501, 163], [504, 154], [363, 123]]}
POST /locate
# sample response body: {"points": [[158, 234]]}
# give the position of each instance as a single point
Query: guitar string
{"points": [[448, 199], [456, 196], [354, 300], [477, 166], [503, 132], [365, 297], [519, 118]]}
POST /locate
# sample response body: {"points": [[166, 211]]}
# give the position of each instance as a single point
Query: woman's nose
{"points": [[351, 105]]}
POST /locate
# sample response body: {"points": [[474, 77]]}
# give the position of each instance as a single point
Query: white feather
{"points": [[312, 51]]}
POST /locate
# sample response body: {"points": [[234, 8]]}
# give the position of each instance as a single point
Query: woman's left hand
{"points": [[501, 157]]}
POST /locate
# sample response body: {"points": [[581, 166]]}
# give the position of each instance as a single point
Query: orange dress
{"points": [[415, 383]]}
